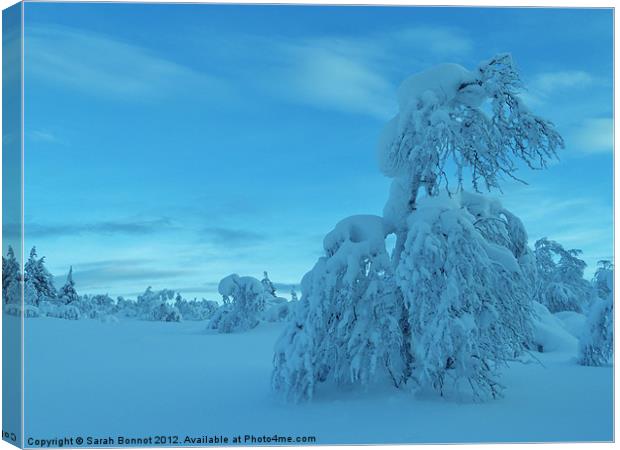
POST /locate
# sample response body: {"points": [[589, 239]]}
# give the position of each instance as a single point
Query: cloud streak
{"points": [[349, 74], [231, 237], [102, 66], [595, 136], [549, 82], [129, 227]]}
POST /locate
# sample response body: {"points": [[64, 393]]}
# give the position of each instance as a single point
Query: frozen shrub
{"points": [[244, 302]]}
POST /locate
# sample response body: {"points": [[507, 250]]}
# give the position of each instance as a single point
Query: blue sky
{"points": [[171, 145]]}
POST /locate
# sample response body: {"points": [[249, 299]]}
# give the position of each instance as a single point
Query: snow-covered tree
{"points": [[604, 279], [597, 340], [268, 285], [560, 283], [11, 278], [453, 301], [194, 309], [246, 301], [67, 293], [31, 296], [294, 297], [346, 326], [40, 278], [60, 310], [126, 308], [467, 299], [472, 121], [157, 306]]}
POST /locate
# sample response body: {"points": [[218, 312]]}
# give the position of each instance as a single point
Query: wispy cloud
{"points": [[325, 78], [442, 41], [231, 237], [595, 136], [339, 72], [42, 136], [575, 221], [545, 87], [128, 227], [102, 66], [548, 82], [355, 74]]}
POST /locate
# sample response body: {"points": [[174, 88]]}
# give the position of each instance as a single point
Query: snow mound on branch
{"points": [[550, 335], [352, 238], [367, 229], [441, 84], [232, 283]]}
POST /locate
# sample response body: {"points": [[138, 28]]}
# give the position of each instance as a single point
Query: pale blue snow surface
{"points": [[137, 378]]}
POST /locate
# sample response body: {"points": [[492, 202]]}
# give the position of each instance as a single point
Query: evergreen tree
{"points": [[41, 279], [268, 285], [31, 296], [67, 293], [11, 278]]}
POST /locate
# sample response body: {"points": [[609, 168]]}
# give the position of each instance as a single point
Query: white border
{"points": [[446, 3]]}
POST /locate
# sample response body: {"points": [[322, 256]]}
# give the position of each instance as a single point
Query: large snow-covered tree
{"points": [[11, 278], [453, 300], [41, 279], [560, 284], [596, 342]]}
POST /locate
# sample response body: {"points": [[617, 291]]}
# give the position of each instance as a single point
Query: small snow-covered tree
{"points": [[345, 328], [11, 278], [194, 309], [67, 293], [604, 279], [596, 342], [560, 284], [294, 297], [246, 301], [268, 285], [126, 308], [41, 279], [31, 296], [157, 306]]}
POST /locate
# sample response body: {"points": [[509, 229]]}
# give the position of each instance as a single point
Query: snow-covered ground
{"points": [[134, 378]]}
